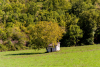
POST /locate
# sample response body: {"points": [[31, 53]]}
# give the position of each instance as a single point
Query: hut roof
{"points": [[50, 45]]}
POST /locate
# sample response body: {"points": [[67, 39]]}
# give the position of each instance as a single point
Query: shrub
{"points": [[10, 46], [3, 47]]}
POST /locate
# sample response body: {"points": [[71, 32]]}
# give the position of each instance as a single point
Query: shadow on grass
{"points": [[24, 54]]}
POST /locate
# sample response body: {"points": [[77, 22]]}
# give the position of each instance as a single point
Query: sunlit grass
{"points": [[81, 56]]}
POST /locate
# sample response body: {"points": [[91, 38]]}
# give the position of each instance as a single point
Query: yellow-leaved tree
{"points": [[44, 33]]}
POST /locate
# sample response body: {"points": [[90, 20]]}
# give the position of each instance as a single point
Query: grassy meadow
{"points": [[81, 56]]}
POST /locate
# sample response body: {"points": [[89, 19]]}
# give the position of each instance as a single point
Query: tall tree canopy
{"points": [[88, 24]]}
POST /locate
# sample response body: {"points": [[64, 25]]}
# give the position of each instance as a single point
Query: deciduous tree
{"points": [[75, 33], [45, 33]]}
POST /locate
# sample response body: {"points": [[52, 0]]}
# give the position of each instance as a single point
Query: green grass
{"points": [[81, 56]]}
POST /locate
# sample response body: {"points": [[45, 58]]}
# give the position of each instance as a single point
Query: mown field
{"points": [[81, 56]]}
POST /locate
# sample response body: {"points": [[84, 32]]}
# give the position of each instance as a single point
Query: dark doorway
{"points": [[51, 49]]}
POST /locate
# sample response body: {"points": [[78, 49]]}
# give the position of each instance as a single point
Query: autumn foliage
{"points": [[44, 33]]}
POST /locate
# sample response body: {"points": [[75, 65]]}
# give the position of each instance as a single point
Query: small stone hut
{"points": [[54, 48]]}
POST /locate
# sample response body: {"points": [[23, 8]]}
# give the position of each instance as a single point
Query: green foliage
{"points": [[33, 8], [20, 18], [3, 48], [94, 1], [72, 37], [75, 33], [80, 6], [53, 5], [10, 46], [1, 15], [7, 8], [70, 20], [3, 34], [88, 24]]}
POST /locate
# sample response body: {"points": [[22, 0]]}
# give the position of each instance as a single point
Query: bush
{"points": [[90, 41], [17, 47], [3, 47], [10, 46]]}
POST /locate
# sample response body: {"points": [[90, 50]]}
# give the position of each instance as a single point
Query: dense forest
{"points": [[34, 24]]}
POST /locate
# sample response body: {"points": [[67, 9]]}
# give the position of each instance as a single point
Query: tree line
{"points": [[34, 24]]}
